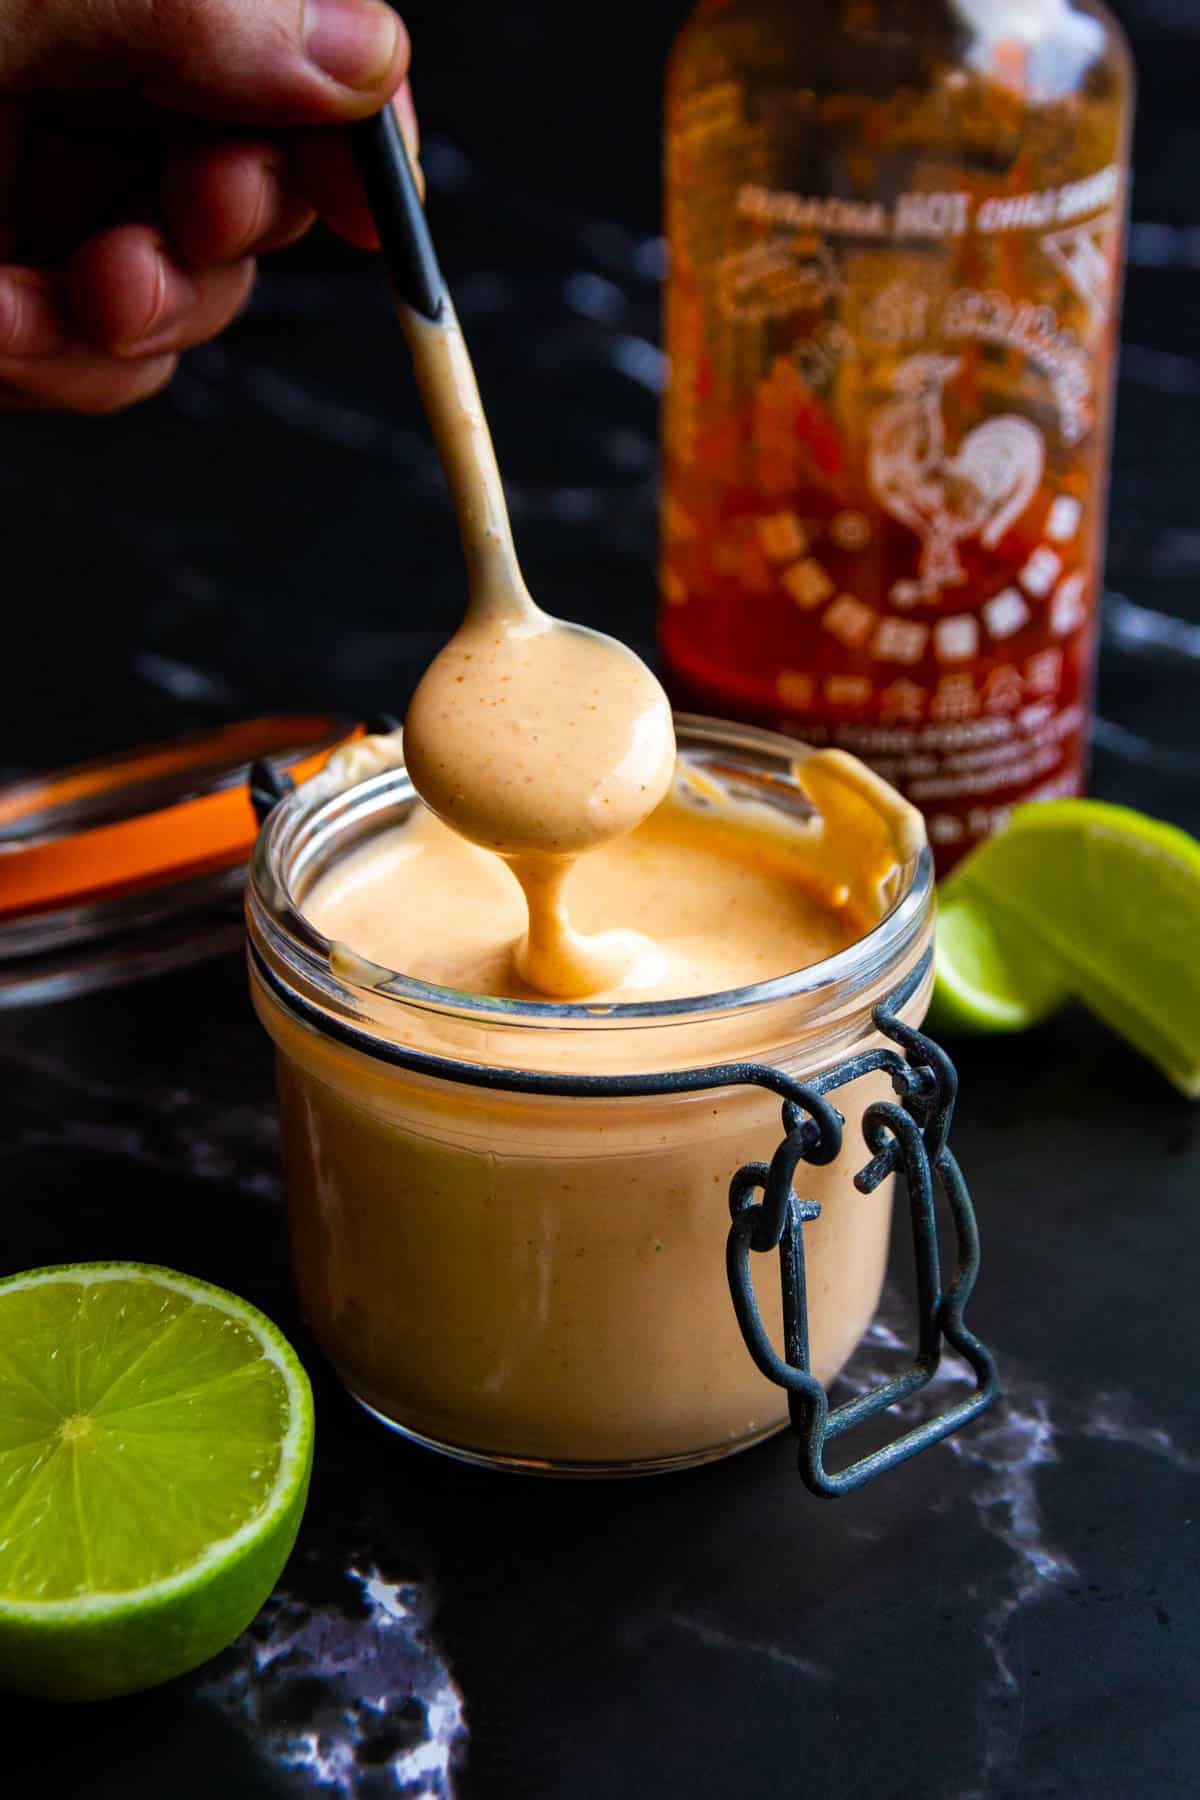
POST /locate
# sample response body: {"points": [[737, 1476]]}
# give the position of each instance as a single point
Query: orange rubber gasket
{"points": [[196, 836]]}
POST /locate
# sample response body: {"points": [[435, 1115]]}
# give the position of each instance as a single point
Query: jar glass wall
{"points": [[537, 1279]]}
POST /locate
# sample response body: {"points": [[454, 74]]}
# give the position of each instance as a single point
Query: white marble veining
{"points": [[160, 1126], [1030, 1428], [704, 1631], [181, 680], [348, 1691], [1118, 1418]]}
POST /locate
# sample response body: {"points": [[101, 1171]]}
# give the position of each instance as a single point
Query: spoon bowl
{"points": [[532, 736]]}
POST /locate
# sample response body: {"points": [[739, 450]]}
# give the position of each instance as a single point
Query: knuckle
{"points": [[173, 34], [179, 19]]}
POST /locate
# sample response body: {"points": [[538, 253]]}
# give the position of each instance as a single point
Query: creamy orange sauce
{"points": [[706, 895], [705, 907]]}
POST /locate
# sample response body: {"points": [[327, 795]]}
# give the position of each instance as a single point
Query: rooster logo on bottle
{"points": [[979, 491]]}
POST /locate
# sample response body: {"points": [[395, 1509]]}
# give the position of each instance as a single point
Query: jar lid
{"points": [[120, 867]]}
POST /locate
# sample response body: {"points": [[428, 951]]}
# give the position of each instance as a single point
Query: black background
{"points": [[1012, 1615]]}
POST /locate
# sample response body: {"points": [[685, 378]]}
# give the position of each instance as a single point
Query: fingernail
{"points": [[173, 300], [30, 321], [272, 204], [10, 318], [353, 41]]}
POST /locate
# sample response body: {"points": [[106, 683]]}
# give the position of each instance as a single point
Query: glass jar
{"points": [[536, 1279]]}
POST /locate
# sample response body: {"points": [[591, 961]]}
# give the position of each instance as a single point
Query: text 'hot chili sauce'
{"points": [[895, 233]]}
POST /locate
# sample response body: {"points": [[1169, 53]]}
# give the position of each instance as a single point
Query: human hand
{"points": [[150, 151]]}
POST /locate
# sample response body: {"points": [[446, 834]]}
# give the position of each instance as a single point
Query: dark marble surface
{"points": [[1013, 1614]]}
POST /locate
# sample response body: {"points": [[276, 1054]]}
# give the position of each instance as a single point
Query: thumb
{"points": [[264, 62]]}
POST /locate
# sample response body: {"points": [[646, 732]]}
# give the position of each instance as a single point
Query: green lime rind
{"points": [[1097, 897], [142, 1641], [189, 1406], [989, 978]]}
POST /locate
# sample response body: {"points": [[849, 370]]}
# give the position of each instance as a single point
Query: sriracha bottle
{"points": [[895, 237]]}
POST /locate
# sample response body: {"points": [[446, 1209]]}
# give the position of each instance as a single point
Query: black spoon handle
{"points": [[398, 213]]}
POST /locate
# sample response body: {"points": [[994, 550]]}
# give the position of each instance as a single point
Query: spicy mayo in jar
{"points": [[895, 232]]}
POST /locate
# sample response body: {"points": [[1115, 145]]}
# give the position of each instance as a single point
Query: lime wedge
{"points": [[989, 977], [1078, 899], [155, 1447]]}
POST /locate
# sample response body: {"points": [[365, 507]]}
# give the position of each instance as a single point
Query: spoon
{"points": [[534, 737]]}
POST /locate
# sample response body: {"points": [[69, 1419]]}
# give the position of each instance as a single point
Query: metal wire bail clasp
{"points": [[907, 1138]]}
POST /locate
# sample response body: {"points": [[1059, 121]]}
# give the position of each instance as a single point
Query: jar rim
{"points": [[331, 800]]}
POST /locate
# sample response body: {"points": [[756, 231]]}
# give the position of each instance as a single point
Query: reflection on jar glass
{"points": [[536, 1279]]}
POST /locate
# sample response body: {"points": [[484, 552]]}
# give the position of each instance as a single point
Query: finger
{"points": [[80, 380], [232, 201], [131, 298], [324, 165], [32, 314], [274, 62], [325, 172]]}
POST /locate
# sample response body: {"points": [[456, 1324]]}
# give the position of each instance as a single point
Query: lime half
{"points": [[1078, 899], [155, 1447]]}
